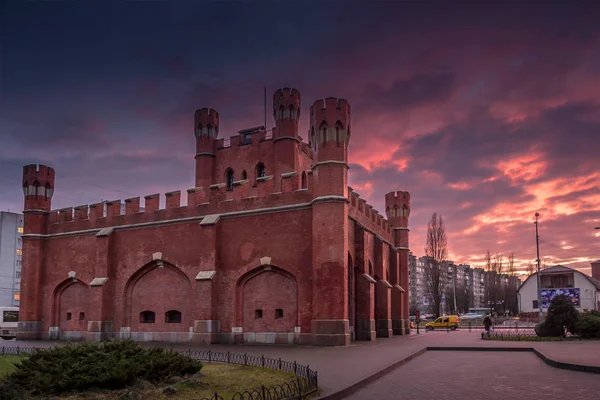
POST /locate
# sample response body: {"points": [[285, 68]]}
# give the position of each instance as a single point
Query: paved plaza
{"points": [[343, 367], [480, 375]]}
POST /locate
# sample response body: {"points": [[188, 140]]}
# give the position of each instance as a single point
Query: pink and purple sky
{"points": [[486, 113]]}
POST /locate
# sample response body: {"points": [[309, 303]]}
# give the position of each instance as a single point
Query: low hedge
{"points": [[588, 326], [85, 366]]}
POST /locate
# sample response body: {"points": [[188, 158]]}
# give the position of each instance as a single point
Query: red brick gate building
{"points": [[272, 247]]}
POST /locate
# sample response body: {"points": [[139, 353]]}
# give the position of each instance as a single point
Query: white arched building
{"points": [[583, 290]]}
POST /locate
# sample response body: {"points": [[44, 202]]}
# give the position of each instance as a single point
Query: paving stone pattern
{"points": [[480, 375]]}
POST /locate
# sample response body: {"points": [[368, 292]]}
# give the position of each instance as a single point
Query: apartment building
{"points": [[11, 251]]}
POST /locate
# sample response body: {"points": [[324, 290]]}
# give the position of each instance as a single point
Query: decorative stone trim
{"points": [[289, 174], [330, 199], [386, 283], [297, 329], [204, 154], [331, 162], [369, 278], [196, 189], [205, 275], [210, 220], [98, 282], [217, 186], [287, 138], [237, 329], [265, 261], [399, 288], [147, 197], [402, 248], [396, 228], [72, 274], [264, 178], [172, 193], [240, 182], [105, 232]]}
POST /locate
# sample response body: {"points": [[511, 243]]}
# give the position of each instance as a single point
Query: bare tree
{"points": [[530, 269], [497, 278], [436, 251], [510, 292], [488, 275], [512, 269]]}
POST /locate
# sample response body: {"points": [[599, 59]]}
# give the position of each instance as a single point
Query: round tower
{"points": [[329, 137], [330, 129], [397, 208], [206, 128], [38, 187], [286, 112]]}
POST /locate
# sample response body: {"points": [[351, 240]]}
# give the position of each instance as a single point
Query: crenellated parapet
{"points": [[366, 215]]}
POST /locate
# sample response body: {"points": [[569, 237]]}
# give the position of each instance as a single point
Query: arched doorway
{"points": [[267, 301], [158, 299], [71, 301]]}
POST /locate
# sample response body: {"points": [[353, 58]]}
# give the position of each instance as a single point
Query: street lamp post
{"points": [[537, 245]]}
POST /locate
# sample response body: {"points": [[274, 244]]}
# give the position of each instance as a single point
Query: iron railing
{"points": [[305, 384]]}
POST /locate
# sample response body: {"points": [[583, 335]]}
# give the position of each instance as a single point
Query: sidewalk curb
{"points": [[370, 379], [538, 353]]}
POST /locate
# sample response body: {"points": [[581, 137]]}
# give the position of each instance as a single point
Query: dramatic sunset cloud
{"points": [[486, 113]]}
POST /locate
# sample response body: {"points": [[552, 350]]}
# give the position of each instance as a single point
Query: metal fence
{"points": [[302, 386]]}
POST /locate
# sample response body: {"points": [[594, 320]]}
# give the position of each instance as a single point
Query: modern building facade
{"points": [[11, 250], [273, 246]]}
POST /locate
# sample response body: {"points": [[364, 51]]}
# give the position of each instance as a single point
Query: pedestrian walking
{"points": [[487, 324]]}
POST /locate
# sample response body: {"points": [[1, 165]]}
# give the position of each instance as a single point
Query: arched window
{"points": [[199, 130], [291, 112], [147, 317], [36, 186], [173, 317], [244, 175], [370, 269], [48, 190], [229, 179], [261, 171], [280, 112], [25, 188], [304, 183], [404, 211], [395, 213]]}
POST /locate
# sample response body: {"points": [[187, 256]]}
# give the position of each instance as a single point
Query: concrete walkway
{"points": [[342, 367]]}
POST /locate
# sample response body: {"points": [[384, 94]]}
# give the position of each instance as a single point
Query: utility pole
{"points": [[537, 245]]}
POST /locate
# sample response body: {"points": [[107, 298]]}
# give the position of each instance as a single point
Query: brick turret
{"points": [[286, 112], [38, 188], [206, 128], [397, 209], [330, 128]]}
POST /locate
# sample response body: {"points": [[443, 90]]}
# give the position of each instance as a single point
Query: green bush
{"points": [[562, 318], [85, 366], [589, 325]]}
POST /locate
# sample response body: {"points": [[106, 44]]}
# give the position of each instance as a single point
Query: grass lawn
{"points": [[224, 379]]}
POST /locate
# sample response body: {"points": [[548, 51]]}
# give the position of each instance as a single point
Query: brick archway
{"points": [[158, 288], [267, 300], [71, 302]]}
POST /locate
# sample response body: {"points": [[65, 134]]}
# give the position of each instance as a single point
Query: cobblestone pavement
{"points": [[480, 375]]}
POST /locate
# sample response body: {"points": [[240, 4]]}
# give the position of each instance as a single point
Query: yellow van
{"points": [[444, 322]]}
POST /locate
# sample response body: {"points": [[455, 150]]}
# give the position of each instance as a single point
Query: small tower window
{"points": [[81, 316], [395, 213], [257, 314], [229, 179], [279, 313], [244, 175], [199, 130], [304, 184], [173, 317], [68, 316], [261, 171], [147, 317]]}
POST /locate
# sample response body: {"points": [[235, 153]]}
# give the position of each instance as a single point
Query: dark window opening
{"points": [[261, 171], [247, 139], [147, 317], [173, 317], [244, 175], [278, 313], [68, 316], [81, 316], [304, 184], [258, 314], [229, 179], [535, 304]]}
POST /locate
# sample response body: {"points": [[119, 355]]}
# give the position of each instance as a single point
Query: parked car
{"points": [[472, 316], [445, 322]]}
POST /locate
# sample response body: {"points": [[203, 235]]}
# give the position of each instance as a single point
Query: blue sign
{"points": [[548, 294]]}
